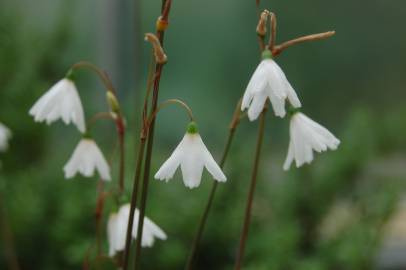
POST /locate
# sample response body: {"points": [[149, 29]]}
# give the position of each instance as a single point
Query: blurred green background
{"points": [[345, 211]]}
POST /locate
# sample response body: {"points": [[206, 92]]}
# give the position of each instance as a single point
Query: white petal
{"points": [[112, 234], [212, 167], [289, 157], [256, 84], [278, 104], [292, 96], [276, 79], [192, 170], [169, 167], [5, 135], [257, 105], [150, 231]]}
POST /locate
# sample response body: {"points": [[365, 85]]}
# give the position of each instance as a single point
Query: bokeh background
{"points": [[345, 211]]}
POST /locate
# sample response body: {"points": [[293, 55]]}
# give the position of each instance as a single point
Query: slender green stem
{"points": [[166, 6], [147, 167], [121, 141], [137, 177], [102, 74], [247, 216], [203, 219]]}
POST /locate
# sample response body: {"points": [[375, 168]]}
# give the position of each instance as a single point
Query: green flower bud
{"points": [[113, 102]]}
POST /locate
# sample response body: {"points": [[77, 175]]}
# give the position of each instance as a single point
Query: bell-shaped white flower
{"points": [[117, 230], [61, 101], [87, 158], [5, 135], [268, 81], [192, 156], [306, 136]]}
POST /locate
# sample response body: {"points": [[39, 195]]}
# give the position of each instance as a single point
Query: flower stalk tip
{"points": [[261, 27], [160, 56]]}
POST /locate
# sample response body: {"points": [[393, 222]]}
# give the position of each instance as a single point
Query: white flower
{"points": [[306, 136], [268, 81], [192, 156], [5, 135], [61, 101], [117, 230], [87, 158]]}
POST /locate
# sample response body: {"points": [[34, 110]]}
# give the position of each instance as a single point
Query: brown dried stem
{"points": [[272, 37], [280, 48]]}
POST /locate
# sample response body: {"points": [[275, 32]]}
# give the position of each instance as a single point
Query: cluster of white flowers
{"points": [[62, 101], [306, 136], [192, 156], [117, 228]]}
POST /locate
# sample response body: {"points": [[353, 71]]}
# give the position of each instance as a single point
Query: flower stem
{"points": [[247, 216], [147, 167], [203, 219], [141, 151], [8, 240], [166, 6], [233, 126]]}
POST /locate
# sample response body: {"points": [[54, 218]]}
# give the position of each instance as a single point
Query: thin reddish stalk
{"points": [[280, 48], [247, 216]]}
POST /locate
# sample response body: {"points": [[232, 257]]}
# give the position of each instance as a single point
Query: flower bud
{"points": [[113, 102]]}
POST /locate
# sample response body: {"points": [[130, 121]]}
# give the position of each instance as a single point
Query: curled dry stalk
{"points": [[146, 140]]}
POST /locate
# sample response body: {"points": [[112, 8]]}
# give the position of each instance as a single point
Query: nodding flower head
{"points": [[62, 101], [268, 81], [192, 156], [117, 228], [306, 136], [86, 159]]}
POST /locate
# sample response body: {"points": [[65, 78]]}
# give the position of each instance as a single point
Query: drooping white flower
{"points": [[117, 230], [61, 101], [5, 135], [268, 81], [87, 158], [192, 156], [306, 136]]}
